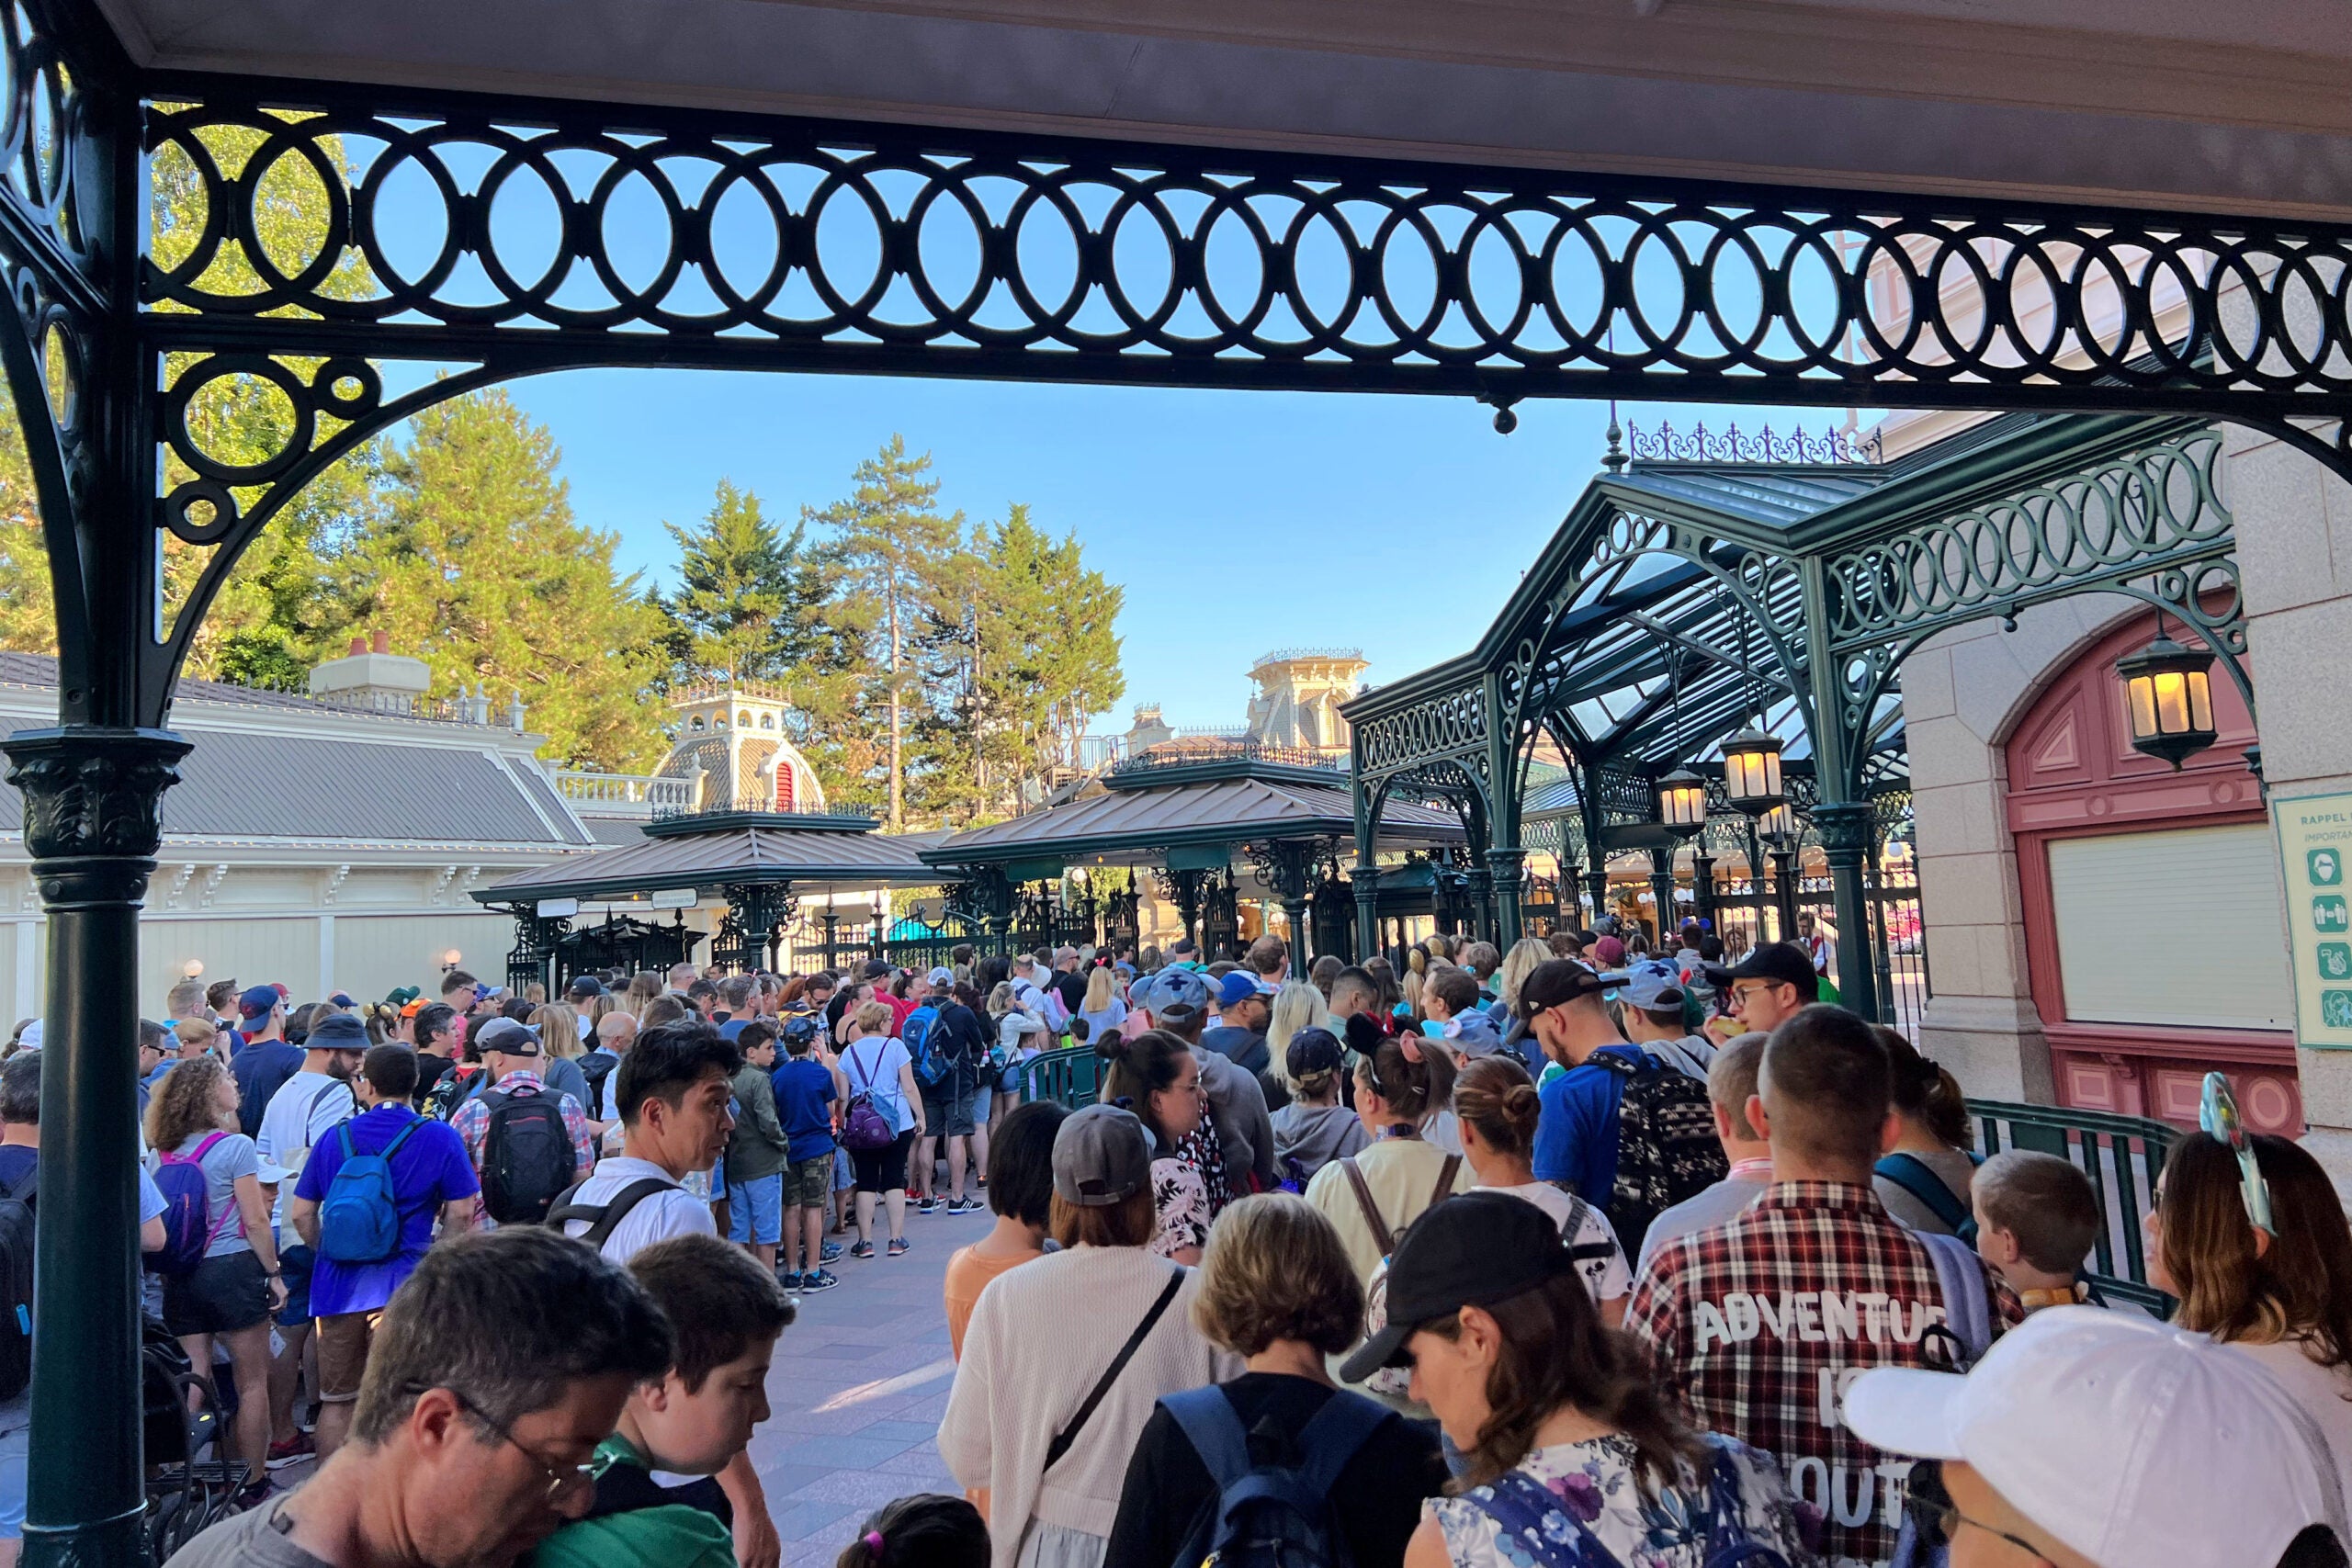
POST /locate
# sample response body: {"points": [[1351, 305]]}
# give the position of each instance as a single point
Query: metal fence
{"points": [[2122, 1155], [1073, 1077]]}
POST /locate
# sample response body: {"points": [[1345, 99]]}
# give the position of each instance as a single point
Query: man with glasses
{"points": [[1560, 1002], [497, 1370], [1767, 987]]}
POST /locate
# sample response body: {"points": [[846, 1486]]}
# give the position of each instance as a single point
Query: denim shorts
{"points": [[756, 1208], [15, 1450]]}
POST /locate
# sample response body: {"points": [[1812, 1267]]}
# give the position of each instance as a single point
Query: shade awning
{"points": [[735, 851]]}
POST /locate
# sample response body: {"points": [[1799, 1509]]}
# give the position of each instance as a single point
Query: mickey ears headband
{"points": [[2217, 1113]]}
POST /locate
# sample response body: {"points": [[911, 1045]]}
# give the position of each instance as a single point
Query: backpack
{"points": [[1545, 1532], [16, 1277], [595, 1066], [603, 1218], [864, 1126], [527, 1159], [189, 1231], [918, 1033], [449, 1093], [1667, 1149], [359, 1218], [1392, 1382], [1916, 1176], [1271, 1515], [1968, 1309]]}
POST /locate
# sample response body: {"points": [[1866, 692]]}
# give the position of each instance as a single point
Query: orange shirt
{"points": [[969, 1274]]}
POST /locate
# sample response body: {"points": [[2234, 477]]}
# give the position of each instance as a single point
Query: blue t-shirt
{"points": [[260, 1071], [803, 1087], [430, 1169], [18, 1161], [1576, 1137]]}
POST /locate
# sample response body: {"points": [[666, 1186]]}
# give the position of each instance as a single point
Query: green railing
{"points": [[2121, 1155], [1073, 1077]]}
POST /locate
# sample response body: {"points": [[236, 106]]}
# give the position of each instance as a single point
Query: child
{"points": [[2035, 1221], [726, 1312], [927, 1531], [806, 1091], [1314, 1129], [1449, 1001]]}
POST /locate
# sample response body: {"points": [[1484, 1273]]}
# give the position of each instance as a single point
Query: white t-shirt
{"points": [[305, 1108], [2321, 1392], [1606, 1278], [872, 1067], [657, 1217]]}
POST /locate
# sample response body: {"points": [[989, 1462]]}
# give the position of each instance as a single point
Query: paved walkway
{"points": [[858, 1387]]}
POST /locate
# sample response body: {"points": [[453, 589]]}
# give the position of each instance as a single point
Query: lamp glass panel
{"points": [[2172, 703], [2141, 690], [2200, 701]]}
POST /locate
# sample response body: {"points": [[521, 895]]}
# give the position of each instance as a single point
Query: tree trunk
{"points": [[897, 797]]}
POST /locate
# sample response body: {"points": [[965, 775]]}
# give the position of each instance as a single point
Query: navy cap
{"points": [[257, 1002]]}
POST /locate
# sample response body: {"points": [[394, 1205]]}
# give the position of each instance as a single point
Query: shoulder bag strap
{"points": [[1382, 1236], [1581, 1252], [1068, 1435], [863, 1070], [606, 1218], [1333, 1436], [389, 1149], [1206, 1418], [1445, 1177], [1916, 1176], [1521, 1509]]}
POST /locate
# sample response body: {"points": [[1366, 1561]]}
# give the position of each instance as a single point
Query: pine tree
{"points": [[891, 539], [750, 598], [1047, 653], [480, 569]]}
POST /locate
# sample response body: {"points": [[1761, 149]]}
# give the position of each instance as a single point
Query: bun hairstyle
{"points": [[1495, 1095], [1412, 1080], [929, 1529], [1924, 1091]]}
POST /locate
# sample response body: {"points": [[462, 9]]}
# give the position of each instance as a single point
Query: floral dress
{"points": [[1182, 1202], [1594, 1512]]}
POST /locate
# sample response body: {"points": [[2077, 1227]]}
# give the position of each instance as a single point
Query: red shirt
{"points": [[1762, 1322], [901, 1007]]}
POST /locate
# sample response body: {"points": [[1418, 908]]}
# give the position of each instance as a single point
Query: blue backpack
{"points": [[1271, 1517], [359, 1218], [931, 1067]]}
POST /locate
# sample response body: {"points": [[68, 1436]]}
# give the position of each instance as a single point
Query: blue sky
{"points": [[1238, 522]]}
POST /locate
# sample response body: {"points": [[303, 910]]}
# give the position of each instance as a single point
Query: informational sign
{"points": [[559, 908], [675, 898], [2315, 861]]}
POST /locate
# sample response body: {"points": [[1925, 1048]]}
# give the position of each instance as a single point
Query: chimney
{"points": [[380, 643], [359, 645], [376, 678]]}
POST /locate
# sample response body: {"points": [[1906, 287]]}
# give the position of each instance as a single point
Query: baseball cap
{"points": [[875, 968], [1472, 1250], [1652, 984], [587, 985], [30, 1039], [257, 1002], [336, 1032], [1174, 995], [1780, 961], [1239, 986], [1101, 1157], [400, 996], [1313, 1050], [505, 1034], [412, 1008], [1609, 952], [1184, 946], [341, 999], [2116, 1434], [800, 1029], [1558, 980]]}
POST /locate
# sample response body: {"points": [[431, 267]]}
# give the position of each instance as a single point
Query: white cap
{"points": [[2130, 1441]]}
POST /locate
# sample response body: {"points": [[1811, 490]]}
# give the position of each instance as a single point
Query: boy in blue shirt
{"points": [[1575, 1136], [432, 1179], [806, 1089]]}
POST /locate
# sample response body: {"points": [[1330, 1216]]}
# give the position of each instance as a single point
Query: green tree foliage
{"points": [[750, 598], [479, 569], [891, 540]]}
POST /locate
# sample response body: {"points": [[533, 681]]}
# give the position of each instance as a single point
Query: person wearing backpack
{"points": [[1924, 1180], [219, 1263], [366, 1203], [1576, 1457], [1759, 1321], [882, 1121], [931, 1052], [1338, 1479], [527, 1143]]}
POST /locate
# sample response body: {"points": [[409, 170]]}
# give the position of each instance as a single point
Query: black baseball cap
{"points": [[1313, 1050], [1474, 1250], [1783, 962], [1558, 980]]}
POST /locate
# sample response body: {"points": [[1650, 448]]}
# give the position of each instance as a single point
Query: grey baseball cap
{"points": [[504, 1035], [1174, 995], [1101, 1157]]}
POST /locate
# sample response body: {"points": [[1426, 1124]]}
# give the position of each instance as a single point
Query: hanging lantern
{"points": [[2169, 699], [1683, 802], [1780, 825], [1752, 772]]}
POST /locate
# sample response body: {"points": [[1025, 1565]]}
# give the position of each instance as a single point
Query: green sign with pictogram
{"points": [[2315, 847]]}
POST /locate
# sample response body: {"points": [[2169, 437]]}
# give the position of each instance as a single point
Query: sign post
{"points": [[2315, 862]]}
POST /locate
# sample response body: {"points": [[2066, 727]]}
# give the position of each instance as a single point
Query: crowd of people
{"points": [[1572, 1256]]}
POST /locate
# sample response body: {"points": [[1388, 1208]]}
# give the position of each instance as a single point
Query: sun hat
{"points": [[1472, 1250], [2130, 1440], [1101, 1157], [336, 1032]]}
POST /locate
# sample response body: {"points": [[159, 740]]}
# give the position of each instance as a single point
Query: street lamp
{"points": [[192, 968], [450, 960], [2169, 694], [1752, 772], [1779, 826], [1683, 802]]}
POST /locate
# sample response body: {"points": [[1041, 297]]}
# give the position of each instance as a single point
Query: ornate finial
{"points": [[1614, 458]]}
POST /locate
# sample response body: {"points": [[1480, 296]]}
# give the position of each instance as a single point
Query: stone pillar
{"points": [[91, 799], [1846, 828]]}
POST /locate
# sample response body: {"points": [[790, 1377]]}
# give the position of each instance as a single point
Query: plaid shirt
{"points": [[471, 1121], [1761, 1323]]}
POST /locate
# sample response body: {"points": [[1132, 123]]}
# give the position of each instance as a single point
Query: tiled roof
{"points": [[809, 859], [1239, 810]]}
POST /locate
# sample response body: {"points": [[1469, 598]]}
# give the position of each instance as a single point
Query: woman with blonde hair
{"points": [[1103, 1008], [561, 1049], [1518, 963], [1297, 1006], [875, 1064], [1276, 1290]]}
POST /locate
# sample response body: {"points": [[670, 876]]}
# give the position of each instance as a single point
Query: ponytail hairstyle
{"points": [[1139, 1068], [1412, 1076], [929, 1529], [1495, 1095], [1924, 1091]]}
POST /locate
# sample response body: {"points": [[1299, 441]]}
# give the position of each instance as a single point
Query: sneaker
{"points": [[293, 1450], [820, 1280], [793, 1281], [984, 1183], [973, 1205], [863, 1249], [257, 1495], [927, 1206], [898, 1245], [830, 1252]]}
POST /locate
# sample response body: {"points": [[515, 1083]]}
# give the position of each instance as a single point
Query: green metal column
{"points": [[1662, 891], [1703, 884], [1365, 879], [92, 800], [1480, 883], [1509, 868], [1845, 829], [1845, 822]]}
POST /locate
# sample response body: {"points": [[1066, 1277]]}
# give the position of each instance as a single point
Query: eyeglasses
{"points": [[1935, 1517], [562, 1478]]}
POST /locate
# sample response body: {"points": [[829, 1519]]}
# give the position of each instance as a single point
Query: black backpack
{"points": [[595, 1066], [603, 1219], [1667, 1148], [527, 1159], [1269, 1515], [16, 1276]]}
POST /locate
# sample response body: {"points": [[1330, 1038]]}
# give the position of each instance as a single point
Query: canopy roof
{"points": [[813, 853], [1188, 814]]}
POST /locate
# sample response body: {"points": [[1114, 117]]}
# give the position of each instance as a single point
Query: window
{"points": [[2178, 928]]}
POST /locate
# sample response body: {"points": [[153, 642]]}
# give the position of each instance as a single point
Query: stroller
{"points": [[189, 1484]]}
